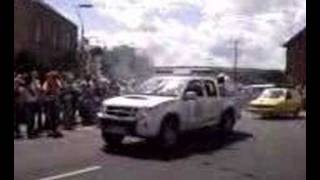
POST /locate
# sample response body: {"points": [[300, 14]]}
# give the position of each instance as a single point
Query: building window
{"points": [[54, 38], [67, 41], [38, 32], [59, 38]]}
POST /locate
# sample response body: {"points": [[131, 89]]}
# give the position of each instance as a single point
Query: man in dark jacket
{"points": [[68, 102], [87, 104], [18, 104], [27, 99]]}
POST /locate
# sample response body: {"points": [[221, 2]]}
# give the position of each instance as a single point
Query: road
{"points": [[273, 149]]}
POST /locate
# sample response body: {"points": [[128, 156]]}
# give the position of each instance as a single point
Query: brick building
{"points": [[43, 38], [296, 58]]}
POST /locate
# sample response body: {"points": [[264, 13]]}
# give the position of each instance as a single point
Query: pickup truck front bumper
{"points": [[129, 126], [117, 125], [264, 111]]}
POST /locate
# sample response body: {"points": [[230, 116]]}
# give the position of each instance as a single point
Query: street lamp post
{"points": [[235, 65], [82, 31], [78, 7]]}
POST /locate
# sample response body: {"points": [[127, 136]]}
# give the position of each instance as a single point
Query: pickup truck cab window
{"points": [[196, 87], [210, 87], [161, 87]]}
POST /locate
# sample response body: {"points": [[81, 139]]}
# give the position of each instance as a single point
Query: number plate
{"points": [[116, 130]]}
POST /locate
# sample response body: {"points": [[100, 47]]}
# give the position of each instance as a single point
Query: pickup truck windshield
{"points": [[161, 87]]}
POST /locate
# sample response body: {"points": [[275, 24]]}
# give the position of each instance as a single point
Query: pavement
{"points": [[259, 149]]}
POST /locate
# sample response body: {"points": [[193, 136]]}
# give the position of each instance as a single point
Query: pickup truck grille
{"points": [[127, 126], [111, 122], [121, 111]]}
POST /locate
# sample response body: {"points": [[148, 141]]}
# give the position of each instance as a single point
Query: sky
{"points": [[193, 32]]}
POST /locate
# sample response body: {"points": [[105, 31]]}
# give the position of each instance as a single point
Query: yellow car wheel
{"points": [[296, 113]]}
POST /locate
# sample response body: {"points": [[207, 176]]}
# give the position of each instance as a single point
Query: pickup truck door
{"points": [[194, 109], [212, 103]]}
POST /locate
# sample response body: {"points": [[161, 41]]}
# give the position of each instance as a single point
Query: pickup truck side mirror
{"points": [[190, 95]]}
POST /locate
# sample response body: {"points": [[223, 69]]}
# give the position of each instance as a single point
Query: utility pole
{"points": [[235, 65]]}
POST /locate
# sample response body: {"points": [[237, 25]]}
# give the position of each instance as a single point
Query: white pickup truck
{"points": [[165, 106]]}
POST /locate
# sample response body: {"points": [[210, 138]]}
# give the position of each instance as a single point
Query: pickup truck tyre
{"points": [[168, 136], [227, 122], [112, 140]]}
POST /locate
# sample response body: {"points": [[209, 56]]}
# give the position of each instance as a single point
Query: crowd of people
{"points": [[45, 103]]}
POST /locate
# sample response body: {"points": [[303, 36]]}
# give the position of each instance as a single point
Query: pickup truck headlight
{"points": [[102, 109]]}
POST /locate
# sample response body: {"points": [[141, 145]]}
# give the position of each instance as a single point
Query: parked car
{"points": [[165, 106], [277, 101]]}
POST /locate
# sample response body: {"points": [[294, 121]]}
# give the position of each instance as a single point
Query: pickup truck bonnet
{"points": [[139, 101]]}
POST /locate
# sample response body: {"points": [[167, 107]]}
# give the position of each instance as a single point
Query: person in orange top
{"points": [[51, 88]]}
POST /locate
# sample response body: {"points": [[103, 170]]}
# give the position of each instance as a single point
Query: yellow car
{"points": [[277, 101]]}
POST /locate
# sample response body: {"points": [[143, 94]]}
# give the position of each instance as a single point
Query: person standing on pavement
{"points": [[98, 93], [68, 98], [304, 97], [302, 91], [114, 88], [18, 106], [38, 109], [52, 88], [87, 103], [27, 101], [222, 84]]}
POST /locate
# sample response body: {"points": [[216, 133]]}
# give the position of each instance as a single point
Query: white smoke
{"points": [[172, 37]]}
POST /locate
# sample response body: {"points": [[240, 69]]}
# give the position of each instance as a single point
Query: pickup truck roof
{"points": [[186, 77], [259, 86]]}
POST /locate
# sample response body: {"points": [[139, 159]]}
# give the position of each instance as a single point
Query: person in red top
{"points": [[51, 89]]}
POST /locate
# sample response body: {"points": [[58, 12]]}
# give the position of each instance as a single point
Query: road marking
{"points": [[73, 173]]}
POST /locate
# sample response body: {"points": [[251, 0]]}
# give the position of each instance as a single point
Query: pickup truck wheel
{"points": [[227, 122], [168, 137], [112, 140]]}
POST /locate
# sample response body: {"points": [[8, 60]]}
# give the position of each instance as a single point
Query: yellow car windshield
{"points": [[273, 94]]}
